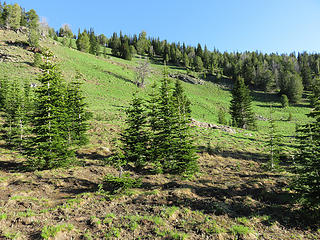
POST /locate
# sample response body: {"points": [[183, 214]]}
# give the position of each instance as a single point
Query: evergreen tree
{"points": [[12, 108], [284, 101], [49, 143], [273, 143], [78, 116], [14, 16], [94, 45], [240, 109], [135, 137], [171, 147], [307, 167], [32, 20], [185, 157], [34, 37], [23, 19], [126, 51], [198, 64], [83, 42]]}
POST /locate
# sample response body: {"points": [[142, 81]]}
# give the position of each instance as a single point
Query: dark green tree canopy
{"points": [[240, 109]]}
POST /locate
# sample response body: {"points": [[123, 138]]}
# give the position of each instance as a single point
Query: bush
{"points": [[37, 60], [284, 101], [120, 184], [222, 117]]}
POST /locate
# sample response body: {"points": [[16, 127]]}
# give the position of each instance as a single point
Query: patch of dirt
{"points": [[225, 193]]}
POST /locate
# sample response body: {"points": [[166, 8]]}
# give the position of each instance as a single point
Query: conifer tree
{"points": [[32, 20], [4, 86], [78, 116], [135, 137], [240, 109], [185, 157], [273, 143], [126, 51], [49, 143], [162, 125], [94, 45], [14, 16], [307, 167], [83, 42], [172, 147], [12, 108]]}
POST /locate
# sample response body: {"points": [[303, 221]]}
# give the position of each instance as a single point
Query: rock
{"points": [[213, 126], [186, 78], [262, 118]]}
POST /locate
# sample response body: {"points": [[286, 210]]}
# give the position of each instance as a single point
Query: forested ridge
{"points": [[133, 137]]}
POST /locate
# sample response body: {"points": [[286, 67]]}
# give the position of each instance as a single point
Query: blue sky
{"points": [[281, 26]]}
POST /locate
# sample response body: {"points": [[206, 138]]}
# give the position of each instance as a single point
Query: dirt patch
{"points": [[226, 193]]}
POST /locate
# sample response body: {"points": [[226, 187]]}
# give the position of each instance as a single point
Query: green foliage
{"points": [[291, 85], [16, 104], [65, 31], [198, 64], [94, 44], [284, 101], [116, 185], [172, 148], [32, 20], [135, 137], [34, 37], [306, 166], [49, 146], [51, 231], [161, 133], [83, 42], [37, 60], [274, 143], [240, 230], [222, 116], [240, 109], [126, 51], [77, 115], [14, 16], [3, 216]]}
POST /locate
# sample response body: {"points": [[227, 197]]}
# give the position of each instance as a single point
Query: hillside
{"points": [[232, 197]]}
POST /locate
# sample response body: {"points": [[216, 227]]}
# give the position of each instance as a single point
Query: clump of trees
{"points": [[48, 124], [158, 132]]}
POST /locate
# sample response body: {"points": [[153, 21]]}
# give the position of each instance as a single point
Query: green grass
{"points": [[51, 231], [108, 87]]}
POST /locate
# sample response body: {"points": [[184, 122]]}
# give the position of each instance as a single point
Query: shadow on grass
{"points": [[272, 205], [12, 166], [77, 185], [119, 76], [241, 155]]}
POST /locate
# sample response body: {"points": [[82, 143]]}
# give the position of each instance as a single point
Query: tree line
{"points": [[289, 74]]}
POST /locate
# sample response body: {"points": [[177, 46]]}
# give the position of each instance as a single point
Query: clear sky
{"points": [[281, 26]]}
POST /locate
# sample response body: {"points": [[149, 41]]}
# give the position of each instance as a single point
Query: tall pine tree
{"points": [[49, 146], [78, 116], [307, 165], [240, 109], [135, 137]]}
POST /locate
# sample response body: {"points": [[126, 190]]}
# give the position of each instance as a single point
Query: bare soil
{"points": [[227, 194]]}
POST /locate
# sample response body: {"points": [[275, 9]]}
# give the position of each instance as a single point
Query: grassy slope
{"points": [[231, 190]]}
